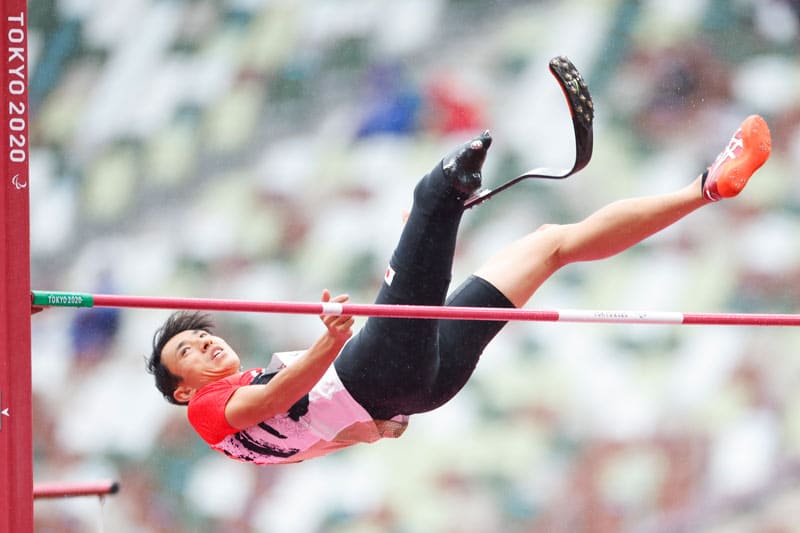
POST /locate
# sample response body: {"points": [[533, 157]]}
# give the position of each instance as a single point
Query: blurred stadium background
{"points": [[266, 149]]}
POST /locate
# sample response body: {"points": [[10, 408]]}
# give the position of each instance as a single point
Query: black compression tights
{"points": [[404, 366]]}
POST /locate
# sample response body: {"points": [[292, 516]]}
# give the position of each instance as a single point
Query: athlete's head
{"points": [[187, 356]]}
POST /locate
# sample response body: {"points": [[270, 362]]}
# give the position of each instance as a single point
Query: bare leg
{"points": [[519, 269]]}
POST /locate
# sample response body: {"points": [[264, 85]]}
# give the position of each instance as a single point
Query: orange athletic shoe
{"points": [[747, 150]]}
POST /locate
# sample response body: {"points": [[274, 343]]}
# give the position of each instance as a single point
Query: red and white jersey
{"points": [[333, 420]]}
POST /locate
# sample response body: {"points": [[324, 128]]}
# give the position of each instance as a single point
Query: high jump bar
{"points": [[43, 299], [65, 490]]}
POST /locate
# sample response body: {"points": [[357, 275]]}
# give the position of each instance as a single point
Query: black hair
{"points": [[166, 381]]}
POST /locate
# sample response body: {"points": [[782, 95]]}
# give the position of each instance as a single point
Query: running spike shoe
{"points": [[747, 150]]}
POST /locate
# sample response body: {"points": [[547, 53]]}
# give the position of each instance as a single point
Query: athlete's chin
{"points": [[223, 365], [229, 363]]}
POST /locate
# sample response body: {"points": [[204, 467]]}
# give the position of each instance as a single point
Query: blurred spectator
{"points": [[452, 108], [93, 330], [677, 86], [392, 102]]}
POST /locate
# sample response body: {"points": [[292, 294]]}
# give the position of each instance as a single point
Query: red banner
{"points": [[16, 440]]}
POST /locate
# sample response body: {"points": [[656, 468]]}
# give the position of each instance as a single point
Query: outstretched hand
{"points": [[339, 327]]}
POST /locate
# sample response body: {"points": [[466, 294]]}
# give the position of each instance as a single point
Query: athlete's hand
{"points": [[340, 327]]}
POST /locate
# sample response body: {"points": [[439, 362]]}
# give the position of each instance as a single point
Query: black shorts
{"points": [[403, 366]]}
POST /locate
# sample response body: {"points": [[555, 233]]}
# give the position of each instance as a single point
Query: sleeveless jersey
{"points": [[331, 421]]}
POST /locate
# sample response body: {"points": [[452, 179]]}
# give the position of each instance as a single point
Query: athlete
{"points": [[348, 389]]}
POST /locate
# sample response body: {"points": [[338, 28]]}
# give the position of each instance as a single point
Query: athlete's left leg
{"points": [[520, 269]]}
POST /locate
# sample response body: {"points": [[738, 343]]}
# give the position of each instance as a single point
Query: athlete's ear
{"points": [[183, 393]]}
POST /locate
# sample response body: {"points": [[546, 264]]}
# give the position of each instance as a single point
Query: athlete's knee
{"points": [[552, 237]]}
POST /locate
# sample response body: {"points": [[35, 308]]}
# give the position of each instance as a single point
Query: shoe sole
{"points": [[757, 145]]}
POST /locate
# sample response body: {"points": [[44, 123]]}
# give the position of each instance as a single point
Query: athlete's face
{"points": [[199, 358]]}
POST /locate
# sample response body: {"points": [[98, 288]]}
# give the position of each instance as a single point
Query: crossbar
{"points": [[43, 299]]}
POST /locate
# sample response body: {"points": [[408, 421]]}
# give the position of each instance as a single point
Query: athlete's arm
{"points": [[253, 404]]}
